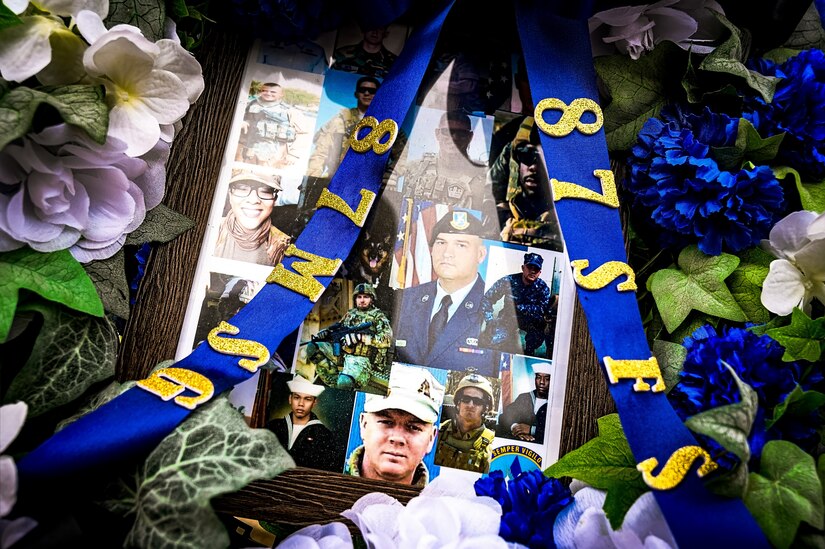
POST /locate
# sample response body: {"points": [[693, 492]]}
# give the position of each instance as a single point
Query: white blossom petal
{"points": [[16, 6], [163, 95], [25, 49], [175, 59], [8, 485], [12, 417], [135, 126], [90, 25], [790, 233], [816, 230], [66, 8], [121, 56], [783, 288], [14, 530]]}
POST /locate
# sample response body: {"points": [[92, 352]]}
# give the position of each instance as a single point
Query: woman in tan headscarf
{"points": [[247, 233]]}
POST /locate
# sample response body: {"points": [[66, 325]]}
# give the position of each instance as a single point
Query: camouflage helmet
{"points": [[478, 382], [364, 288]]}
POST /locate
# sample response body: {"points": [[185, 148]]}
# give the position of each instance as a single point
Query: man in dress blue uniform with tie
{"points": [[438, 323]]}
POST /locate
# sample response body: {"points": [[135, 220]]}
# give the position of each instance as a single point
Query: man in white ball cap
{"points": [[398, 430]]}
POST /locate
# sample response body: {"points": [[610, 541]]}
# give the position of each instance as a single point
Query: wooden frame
{"points": [[299, 496]]}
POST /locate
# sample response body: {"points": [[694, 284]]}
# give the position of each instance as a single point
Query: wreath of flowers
{"points": [[721, 154]]}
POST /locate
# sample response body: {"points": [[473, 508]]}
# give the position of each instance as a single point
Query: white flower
{"points": [[637, 29], [584, 525], [798, 275], [334, 535], [447, 515], [44, 42], [147, 84], [12, 417]]}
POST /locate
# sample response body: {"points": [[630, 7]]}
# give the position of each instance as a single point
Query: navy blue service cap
{"points": [[457, 222], [533, 259]]}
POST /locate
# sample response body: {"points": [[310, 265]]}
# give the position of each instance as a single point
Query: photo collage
{"points": [[441, 345]]}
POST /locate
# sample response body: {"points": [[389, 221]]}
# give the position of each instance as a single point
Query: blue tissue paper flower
{"points": [[677, 187], [795, 110], [705, 383], [530, 503]]}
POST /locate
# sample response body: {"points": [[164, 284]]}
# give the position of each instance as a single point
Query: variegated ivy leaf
{"points": [[746, 281], [73, 351], [811, 194], [808, 33], [785, 492], [162, 224], [213, 452], [730, 426], [697, 284], [109, 277], [671, 357], [147, 15]]}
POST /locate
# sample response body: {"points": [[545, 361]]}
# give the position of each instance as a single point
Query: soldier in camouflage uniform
{"points": [[448, 176], [332, 140], [363, 355], [270, 125], [368, 57], [464, 443], [520, 184], [528, 298]]}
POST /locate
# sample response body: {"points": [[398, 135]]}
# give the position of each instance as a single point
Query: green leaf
{"points": [[179, 8], [729, 58], [730, 426], [57, 276], [671, 357], [162, 224], [745, 283], [109, 278], [78, 105], [7, 17], [803, 338], [808, 33], [607, 463], [147, 15], [638, 90], [697, 285], [785, 492], [73, 351], [749, 147], [811, 195], [797, 403], [211, 453]]}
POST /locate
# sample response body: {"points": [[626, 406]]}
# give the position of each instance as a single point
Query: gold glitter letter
{"points": [[373, 139], [238, 347], [570, 116], [608, 196], [603, 275], [332, 200], [676, 468], [635, 369], [303, 282], [170, 382]]}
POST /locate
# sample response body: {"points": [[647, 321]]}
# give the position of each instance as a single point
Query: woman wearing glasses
{"points": [[247, 233]]}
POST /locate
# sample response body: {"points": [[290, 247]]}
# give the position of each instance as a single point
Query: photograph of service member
{"points": [[396, 432], [438, 323]]}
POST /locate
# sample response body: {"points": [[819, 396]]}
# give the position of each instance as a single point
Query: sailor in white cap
{"points": [[526, 417], [303, 435], [398, 430]]}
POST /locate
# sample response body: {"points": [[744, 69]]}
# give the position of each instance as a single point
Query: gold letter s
{"points": [[676, 468]]}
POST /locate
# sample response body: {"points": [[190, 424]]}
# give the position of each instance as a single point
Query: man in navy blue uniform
{"points": [[527, 298], [439, 322]]}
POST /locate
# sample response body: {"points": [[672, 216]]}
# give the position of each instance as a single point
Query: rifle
{"points": [[336, 332]]}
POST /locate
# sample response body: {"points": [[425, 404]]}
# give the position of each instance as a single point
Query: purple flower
{"points": [[59, 189], [795, 110], [529, 502], [684, 196]]}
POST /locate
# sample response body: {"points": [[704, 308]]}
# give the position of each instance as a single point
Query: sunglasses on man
{"points": [[367, 90], [526, 154]]}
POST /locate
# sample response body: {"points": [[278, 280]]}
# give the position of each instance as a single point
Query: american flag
{"points": [[411, 264], [505, 372]]}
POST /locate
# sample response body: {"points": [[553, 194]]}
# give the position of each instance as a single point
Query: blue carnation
{"points": [[705, 383], [796, 109], [679, 190], [530, 503]]}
